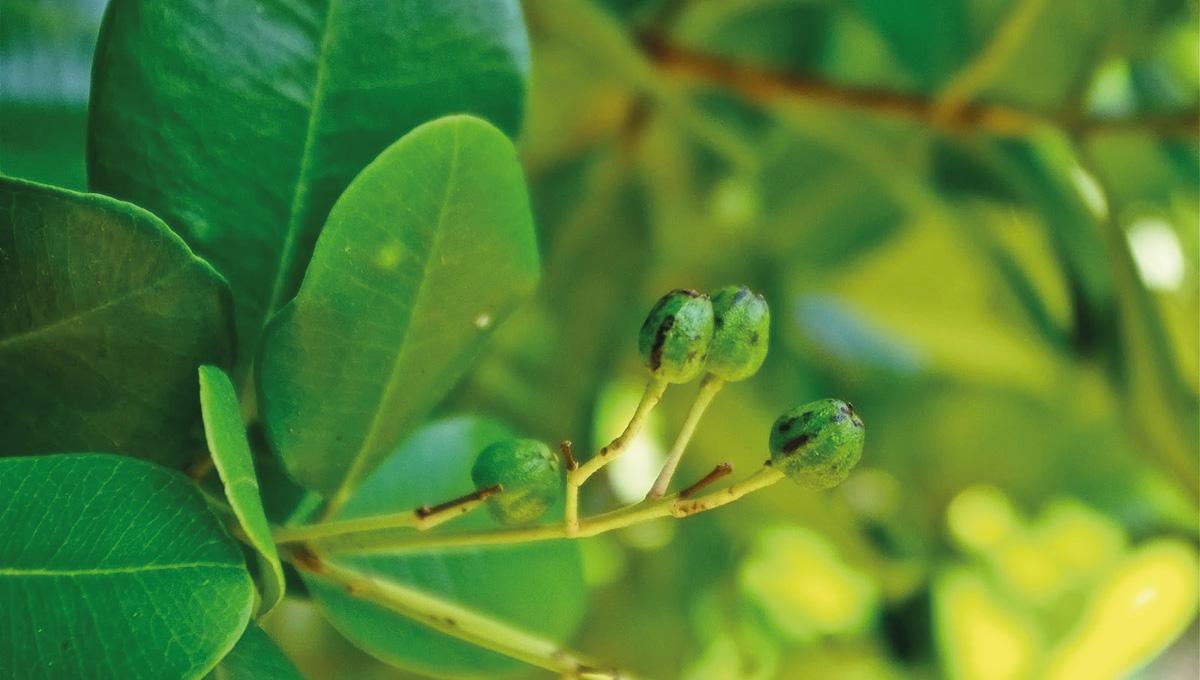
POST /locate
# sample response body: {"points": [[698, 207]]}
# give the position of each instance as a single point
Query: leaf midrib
{"points": [[303, 185], [109, 571], [354, 471], [126, 296]]}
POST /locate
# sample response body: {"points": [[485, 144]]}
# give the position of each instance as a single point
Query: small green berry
{"points": [[741, 322], [675, 338], [530, 474], [817, 444]]}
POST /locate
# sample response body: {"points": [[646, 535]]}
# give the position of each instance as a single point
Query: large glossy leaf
{"points": [[255, 657], [430, 247], [244, 126], [104, 316], [235, 464], [111, 567], [537, 587]]}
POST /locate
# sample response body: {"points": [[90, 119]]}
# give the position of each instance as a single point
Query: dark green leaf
{"points": [[243, 128], [104, 316], [231, 455], [536, 587], [113, 568], [927, 37], [255, 657], [430, 247]]}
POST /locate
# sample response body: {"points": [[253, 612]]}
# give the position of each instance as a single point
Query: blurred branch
{"points": [[764, 85]]}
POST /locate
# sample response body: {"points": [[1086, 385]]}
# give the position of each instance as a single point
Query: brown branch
{"points": [[766, 86]]}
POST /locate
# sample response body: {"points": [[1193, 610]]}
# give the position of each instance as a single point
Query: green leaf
{"points": [[927, 37], [255, 657], [536, 587], [104, 316], [430, 247], [261, 114], [113, 568], [235, 464]]}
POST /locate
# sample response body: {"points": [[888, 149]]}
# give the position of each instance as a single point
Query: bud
{"points": [[528, 471], [741, 322], [817, 444], [675, 338]]}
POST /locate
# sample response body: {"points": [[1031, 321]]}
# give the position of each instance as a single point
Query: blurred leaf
{"points": [[928, 37], [264, 113], [255, 657], [430, 247], [778, 33], [537, 587], [979, 634], [106, 315], [972, 329], [231, 455], [43, 143], [1156, 587], [833, 598], [114, 568]]}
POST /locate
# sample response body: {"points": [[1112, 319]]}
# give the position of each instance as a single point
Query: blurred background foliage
{"points": [[975, 219]]}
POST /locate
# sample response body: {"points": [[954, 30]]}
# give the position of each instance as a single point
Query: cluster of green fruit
{"points": [[688, 333]]}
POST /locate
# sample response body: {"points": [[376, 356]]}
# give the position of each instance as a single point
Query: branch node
{"points": [[717, 472]]}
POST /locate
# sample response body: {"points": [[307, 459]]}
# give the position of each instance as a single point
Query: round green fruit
{"points": [[817, 444], [530, 474], [675, 337], [741, 324]]}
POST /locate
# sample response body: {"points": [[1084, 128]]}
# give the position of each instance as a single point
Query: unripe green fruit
{"points": [[530, 474], [675, 338], [817, 444], [741, 322]]}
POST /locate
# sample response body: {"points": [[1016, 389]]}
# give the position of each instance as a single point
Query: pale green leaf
{"points": [[428, 250], [231, 455]]}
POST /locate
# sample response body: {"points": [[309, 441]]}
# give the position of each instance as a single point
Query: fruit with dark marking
{"points": [[676, 335], [817, 444]]}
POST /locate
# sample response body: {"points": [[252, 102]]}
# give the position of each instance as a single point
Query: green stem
{"points": [[708, 389], [670, 506], [458, 621], [420, 519], [576, 478]]}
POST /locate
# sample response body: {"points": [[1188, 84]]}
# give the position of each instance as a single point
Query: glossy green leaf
{"points": [[111, 567], [104, 316], [235, 464], [536, 587], [255, 657], [243, 129], [430, 247]]}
